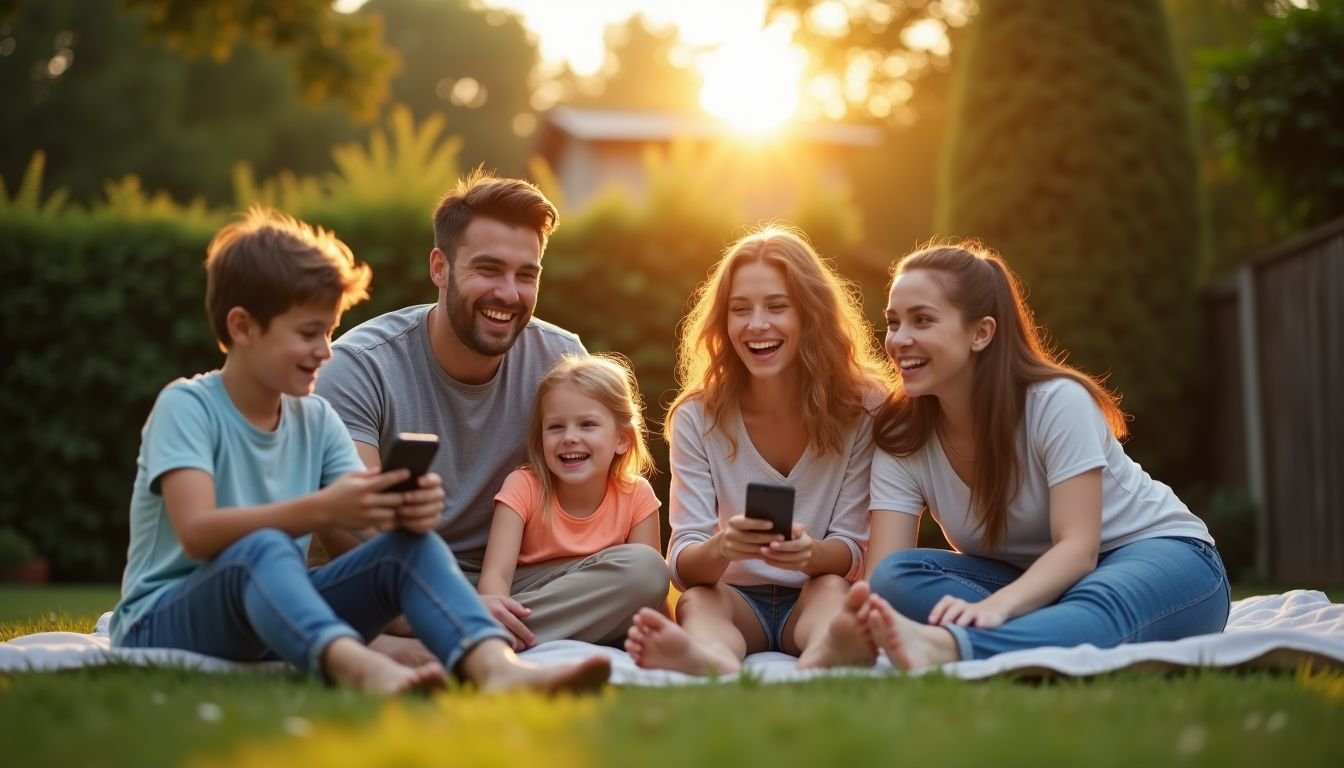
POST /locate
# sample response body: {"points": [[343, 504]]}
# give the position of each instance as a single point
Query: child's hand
{"points": [[359, 499], [793, 554], [745, 538], [422, 509], [510, 614]]}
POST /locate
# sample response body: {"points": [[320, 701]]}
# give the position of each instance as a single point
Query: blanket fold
{"points": [[1283, 631]]}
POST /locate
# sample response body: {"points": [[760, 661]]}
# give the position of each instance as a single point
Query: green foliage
{"points": [[1231, 519], [467, 66], [1281, 103], [28, 197], [1237, 228], [15, 550], [1075, 162], [85, 86], [335, 55], [98, 312]]}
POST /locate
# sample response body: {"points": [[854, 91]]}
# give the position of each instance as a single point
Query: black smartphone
{"points": [[774, 503], [413, 451]]}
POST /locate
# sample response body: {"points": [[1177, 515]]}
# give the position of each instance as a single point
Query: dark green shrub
{"points": [[1280, 102], [98, 314], [1071, 155]]}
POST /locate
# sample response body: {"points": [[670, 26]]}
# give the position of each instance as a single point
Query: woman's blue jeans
{"points": [[257, 600], [1152, 589]]}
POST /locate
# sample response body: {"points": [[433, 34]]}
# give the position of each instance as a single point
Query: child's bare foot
{"points": [[656, 642], [494, 667], [347, 662], [847, 641], [909, 644]]}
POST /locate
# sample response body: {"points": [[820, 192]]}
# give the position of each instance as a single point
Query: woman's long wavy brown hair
{"points": [[978, 283], [839, 359]]}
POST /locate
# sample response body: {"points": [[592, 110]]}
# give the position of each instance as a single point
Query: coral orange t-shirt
{"points": [[624, 507]]}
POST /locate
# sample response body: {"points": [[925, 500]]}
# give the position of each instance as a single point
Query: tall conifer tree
{"points": [[1071, 154]]}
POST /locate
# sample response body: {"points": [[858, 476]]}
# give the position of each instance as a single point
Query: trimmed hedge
{"points": [[97, 314], [1072, 156]]}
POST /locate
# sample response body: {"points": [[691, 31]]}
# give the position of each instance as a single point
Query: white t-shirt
{"points": [[1063, 434], [709, 485]]}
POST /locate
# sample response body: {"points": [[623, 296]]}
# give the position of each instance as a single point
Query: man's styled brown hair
{"points": [[514, 202], [268, 262]]}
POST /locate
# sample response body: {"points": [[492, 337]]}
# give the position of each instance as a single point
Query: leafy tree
{"points": [[1281, 104], [871, 53], [335, 56], [470, 66], [1075, 161], [641, 74], [1236, 226], [83, 87]]}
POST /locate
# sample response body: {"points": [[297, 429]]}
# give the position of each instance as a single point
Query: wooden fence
{"points": [[1275, 350]]}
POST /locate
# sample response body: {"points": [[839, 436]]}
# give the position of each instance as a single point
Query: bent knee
{"points": [[828, 583], [897, 566], [262, 543], [643, 571], [700, 600]]}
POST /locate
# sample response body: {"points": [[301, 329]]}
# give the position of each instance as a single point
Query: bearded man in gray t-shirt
{"points": [[466, 368]]}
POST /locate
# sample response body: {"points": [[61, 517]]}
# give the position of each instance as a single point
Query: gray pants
{"points": [[585, 598]]}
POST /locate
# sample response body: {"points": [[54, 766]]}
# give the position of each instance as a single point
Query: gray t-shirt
{"points": [[709, 485], [383, 379], [1063, 434]]}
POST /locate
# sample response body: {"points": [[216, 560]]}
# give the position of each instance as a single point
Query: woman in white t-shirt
{"points": [[1061, 539], [779, 377]]}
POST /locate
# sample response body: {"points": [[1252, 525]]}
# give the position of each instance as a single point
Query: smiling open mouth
{"points": [[910, 365], [762, 348], [571, 459]]}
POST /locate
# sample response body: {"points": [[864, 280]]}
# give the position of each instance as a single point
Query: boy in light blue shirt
{"points": [[237, 467]]}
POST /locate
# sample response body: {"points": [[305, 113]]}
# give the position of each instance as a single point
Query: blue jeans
{"points": [[257, 600], [773, 605], [1152, 589]]}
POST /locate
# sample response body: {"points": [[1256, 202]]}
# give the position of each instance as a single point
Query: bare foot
{"points": [[494, 667], [909, 644], [347, 662], [847, 641], [406, 650], [656, 642]]}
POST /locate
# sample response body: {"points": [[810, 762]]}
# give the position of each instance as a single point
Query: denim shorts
{"points": [[773, 605]]}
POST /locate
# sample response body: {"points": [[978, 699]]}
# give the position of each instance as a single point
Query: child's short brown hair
{"points": [[269, 262]]}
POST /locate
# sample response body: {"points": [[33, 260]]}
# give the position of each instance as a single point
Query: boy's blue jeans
{"points": [[1153, 589], [257, 599]]}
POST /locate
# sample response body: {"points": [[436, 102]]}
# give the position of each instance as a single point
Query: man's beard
{"points": [[465, 319]]}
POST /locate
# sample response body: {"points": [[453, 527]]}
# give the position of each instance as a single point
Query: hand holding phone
{"points": [[766, 501], [413, 451]]}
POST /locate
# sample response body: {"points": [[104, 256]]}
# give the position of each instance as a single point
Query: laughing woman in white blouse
{"points": [[779, 378], [1061, 539]]}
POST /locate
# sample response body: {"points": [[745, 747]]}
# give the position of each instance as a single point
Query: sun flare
{"points": [[753, 82]]}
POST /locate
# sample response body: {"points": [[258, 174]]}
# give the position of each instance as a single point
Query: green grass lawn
{"points": [[138, 717]]}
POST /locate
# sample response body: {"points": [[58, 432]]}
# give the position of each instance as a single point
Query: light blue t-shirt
{"points": [[194, 425]]}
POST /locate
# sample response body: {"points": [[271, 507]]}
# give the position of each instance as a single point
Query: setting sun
{"points": [[753, 82]]}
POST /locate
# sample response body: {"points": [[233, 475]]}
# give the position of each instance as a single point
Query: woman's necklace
{"points": [[951, 448]]}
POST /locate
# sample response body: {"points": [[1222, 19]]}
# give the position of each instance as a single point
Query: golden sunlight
{"points": [[753, 81]]}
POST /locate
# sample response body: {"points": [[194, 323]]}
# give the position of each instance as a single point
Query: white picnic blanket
{"points": [[1269, 630]]}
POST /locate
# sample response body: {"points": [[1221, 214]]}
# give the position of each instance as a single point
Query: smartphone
{"points": [[774, 503], [413, 451]]}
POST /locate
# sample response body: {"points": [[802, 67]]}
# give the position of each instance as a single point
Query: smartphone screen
{"points": [[413, 451], [774, 503]]}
